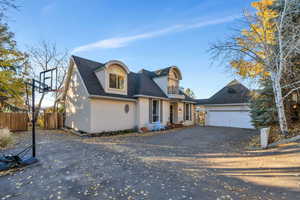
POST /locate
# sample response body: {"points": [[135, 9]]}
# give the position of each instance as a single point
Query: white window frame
{"points": [[117, 82], [158, 111], [188, 112]]}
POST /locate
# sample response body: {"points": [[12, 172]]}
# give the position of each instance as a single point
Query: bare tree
{"points": [[45, 56], [269, 48], [6, 5]]}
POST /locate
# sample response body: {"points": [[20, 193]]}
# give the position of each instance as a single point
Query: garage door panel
{"points": [[229, 118]]}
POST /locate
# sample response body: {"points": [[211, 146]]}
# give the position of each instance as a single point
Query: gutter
{"points": [[153, 97], [229, 104], [108, 97]]}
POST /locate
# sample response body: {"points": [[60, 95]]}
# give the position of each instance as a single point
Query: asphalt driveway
{"points": [[194, 163]]}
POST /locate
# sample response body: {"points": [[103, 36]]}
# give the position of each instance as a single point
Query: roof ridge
{"points": [[89, 60]]}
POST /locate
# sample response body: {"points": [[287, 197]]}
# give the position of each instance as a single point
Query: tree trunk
{"points": [[36, 115], [279, 104]]}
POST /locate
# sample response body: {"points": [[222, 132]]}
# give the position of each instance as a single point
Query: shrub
{"points": [[5, 138]]}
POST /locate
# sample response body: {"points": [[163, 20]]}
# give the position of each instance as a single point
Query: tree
{"points": [[266, 48], [5, 5], [189, 93], [263, 110], [45, 56], [13, 68]]}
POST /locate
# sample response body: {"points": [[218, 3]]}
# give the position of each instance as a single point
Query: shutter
{"points": [[150, 110], [161, 111]]}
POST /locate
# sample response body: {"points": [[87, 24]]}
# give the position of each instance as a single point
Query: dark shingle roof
{"points": [[138, 83], [234, 92]]}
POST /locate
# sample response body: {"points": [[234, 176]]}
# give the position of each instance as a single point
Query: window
{"points": [[116, 81], [155, 110], [188, 111]]}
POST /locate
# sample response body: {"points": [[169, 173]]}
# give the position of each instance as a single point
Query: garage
{"points": [[228, 118], [229, 107]]}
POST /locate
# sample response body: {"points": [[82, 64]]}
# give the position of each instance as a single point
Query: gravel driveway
{"points": [[193, 163]]}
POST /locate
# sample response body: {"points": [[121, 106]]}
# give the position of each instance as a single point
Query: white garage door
{"points": [[229, 118]]}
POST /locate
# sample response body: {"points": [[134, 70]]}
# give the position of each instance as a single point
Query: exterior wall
{"points": [[78, 111], [162, 82], [142, 112], [110, 115], [166, 112]]}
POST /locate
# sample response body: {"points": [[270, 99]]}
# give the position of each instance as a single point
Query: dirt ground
{"points": [[194, 163]]}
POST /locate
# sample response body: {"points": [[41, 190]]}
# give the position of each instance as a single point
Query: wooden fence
{"points": [[14, 121], [53, 120]]}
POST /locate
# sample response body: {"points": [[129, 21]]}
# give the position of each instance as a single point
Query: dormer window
{"points": [[116, 81]]}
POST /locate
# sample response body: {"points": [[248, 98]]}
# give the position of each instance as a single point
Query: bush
{"points": [[5, 138]]}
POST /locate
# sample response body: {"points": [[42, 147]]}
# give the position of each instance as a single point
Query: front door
{"points": [[171, 114]]}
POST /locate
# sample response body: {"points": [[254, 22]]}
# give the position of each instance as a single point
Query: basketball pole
{"points": [[33, 118]]}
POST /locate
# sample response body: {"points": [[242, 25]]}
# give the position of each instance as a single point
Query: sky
{"points": [[143, 34]]}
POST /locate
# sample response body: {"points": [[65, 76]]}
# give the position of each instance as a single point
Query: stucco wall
{"points": [[166, 112], [77, 104], [110, 115], [142, 112]]}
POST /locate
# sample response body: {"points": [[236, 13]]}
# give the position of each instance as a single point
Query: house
{"points": [[109, 97], [229, 107]]}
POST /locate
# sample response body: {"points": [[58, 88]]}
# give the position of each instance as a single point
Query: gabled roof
{"points": [[232, 93], [138, 83]]}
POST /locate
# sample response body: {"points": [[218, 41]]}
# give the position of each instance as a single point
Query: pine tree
{"points": [[263, 109]]}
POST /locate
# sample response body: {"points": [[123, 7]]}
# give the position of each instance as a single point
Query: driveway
{"points": [[194, 163]]}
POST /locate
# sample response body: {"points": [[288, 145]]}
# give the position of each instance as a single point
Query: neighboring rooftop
{"points": [[232, 93]]}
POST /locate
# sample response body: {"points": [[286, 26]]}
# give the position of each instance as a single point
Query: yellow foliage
{"points": [[254, 38]]}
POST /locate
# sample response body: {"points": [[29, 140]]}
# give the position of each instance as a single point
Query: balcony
{"points": [[175, 92]]}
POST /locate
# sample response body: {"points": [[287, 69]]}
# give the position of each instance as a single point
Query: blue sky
{"points": [[143, 34]]}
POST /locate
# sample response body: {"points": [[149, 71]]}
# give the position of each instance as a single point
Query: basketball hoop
{"points": [[46, 83]]}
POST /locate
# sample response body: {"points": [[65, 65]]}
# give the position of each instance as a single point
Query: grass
{"points": [[6, 138]]}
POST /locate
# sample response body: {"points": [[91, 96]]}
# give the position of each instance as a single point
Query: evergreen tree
{"points": [[263, 108], [12, 68]]}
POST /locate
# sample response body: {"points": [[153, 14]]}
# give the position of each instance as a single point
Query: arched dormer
{"points": [[119, 63], [174, 76], [114, 77], [174, 73]]}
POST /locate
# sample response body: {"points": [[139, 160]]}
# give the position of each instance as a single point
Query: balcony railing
{"points": [[173, 90]]}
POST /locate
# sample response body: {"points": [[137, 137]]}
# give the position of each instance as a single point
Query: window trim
{"points": [[158, 111], [188, 112]]}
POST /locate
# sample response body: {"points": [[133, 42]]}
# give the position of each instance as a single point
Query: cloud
{"points": [[117, 42]]}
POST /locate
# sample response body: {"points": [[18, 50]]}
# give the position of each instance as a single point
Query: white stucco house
{"points": [[109, 97], [229, 107]]}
